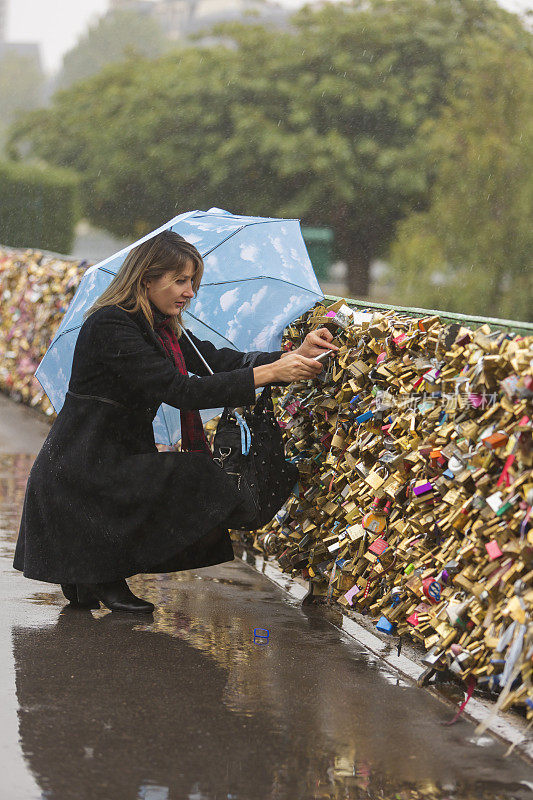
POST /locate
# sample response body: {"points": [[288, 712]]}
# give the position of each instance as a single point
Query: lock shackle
{"points": [[380, 467]]}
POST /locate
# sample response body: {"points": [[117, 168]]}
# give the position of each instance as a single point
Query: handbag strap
{"points": [[246, 436], [264, 401]]}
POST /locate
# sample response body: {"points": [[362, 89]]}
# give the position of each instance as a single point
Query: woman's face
{"points": [[170, 300]]}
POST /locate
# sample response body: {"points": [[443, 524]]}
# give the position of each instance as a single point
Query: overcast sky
{"points": [[57, 24]]}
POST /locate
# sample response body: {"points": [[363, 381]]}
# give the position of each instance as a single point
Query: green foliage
{"points": [[320, 122], [141, 135], [114, 36], [472, 250], [39, 207]]}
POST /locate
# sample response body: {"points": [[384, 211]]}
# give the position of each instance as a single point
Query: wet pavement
{"points": [[184, 706]]}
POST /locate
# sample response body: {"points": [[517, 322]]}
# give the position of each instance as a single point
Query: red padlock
{"points": [[431, 589]]}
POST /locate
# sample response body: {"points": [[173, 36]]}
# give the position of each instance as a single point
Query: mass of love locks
{"points": [[35, 291], [411, 508]]}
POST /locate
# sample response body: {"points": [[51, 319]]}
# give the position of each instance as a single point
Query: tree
{"points": [[112, 36], [334, 111], [472, 250], [320, 122]]}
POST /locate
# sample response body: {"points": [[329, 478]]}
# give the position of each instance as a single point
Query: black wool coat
{"points": [[102, 503]]}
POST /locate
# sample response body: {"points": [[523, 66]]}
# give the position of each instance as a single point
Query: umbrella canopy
{"points": [[257, 279]]}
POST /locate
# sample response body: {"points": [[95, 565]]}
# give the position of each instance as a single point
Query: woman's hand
{"points": [[293, 367], [315, 343]]}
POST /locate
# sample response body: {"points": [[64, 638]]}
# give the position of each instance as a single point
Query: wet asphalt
{"points": [[183, 705]]}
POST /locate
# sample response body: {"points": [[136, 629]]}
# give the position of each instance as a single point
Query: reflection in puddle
{"points": [[228, 581], [14, 471], [186, 706]]}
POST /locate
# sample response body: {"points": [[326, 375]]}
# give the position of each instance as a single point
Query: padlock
{"points": [[456, 608], [374, 522], [431, 589], [377, 476], [468, 508]]}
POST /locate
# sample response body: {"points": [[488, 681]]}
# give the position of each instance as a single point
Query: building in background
{"points": [[180, 18], [3, 18], [30, 50], [22, 79]]}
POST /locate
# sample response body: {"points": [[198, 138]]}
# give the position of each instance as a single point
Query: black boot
{"points": [[83, 599], [117, 596]]}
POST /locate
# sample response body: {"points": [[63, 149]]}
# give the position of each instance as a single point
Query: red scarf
{"points": [[193, 438]]}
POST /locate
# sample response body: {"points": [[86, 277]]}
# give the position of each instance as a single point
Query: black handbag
{"points": [[250, 449]]}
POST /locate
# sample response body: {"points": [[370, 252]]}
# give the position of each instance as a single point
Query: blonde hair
{"points": [[166, 252]]}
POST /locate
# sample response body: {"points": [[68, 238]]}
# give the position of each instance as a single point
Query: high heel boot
{"points": [[83, 599], [117, 596]]}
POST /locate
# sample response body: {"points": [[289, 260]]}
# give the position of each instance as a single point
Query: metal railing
{"points": [[512, 325]]}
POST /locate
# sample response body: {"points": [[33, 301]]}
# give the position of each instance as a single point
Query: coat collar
{"points": [[159, 317]]}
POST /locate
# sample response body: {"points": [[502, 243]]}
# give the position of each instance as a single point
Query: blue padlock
{"points": [[384, 625]]}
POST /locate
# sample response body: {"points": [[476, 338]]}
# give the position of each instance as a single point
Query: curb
{"points": [[511, 731]]}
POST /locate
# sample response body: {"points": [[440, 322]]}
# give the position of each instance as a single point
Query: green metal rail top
{"points": [[524, 328]]}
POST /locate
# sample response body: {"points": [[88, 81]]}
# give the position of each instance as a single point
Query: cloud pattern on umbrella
{"points": [[257, 279]]}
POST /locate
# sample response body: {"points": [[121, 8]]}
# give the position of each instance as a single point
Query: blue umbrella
{"points": [[257, 279]]}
